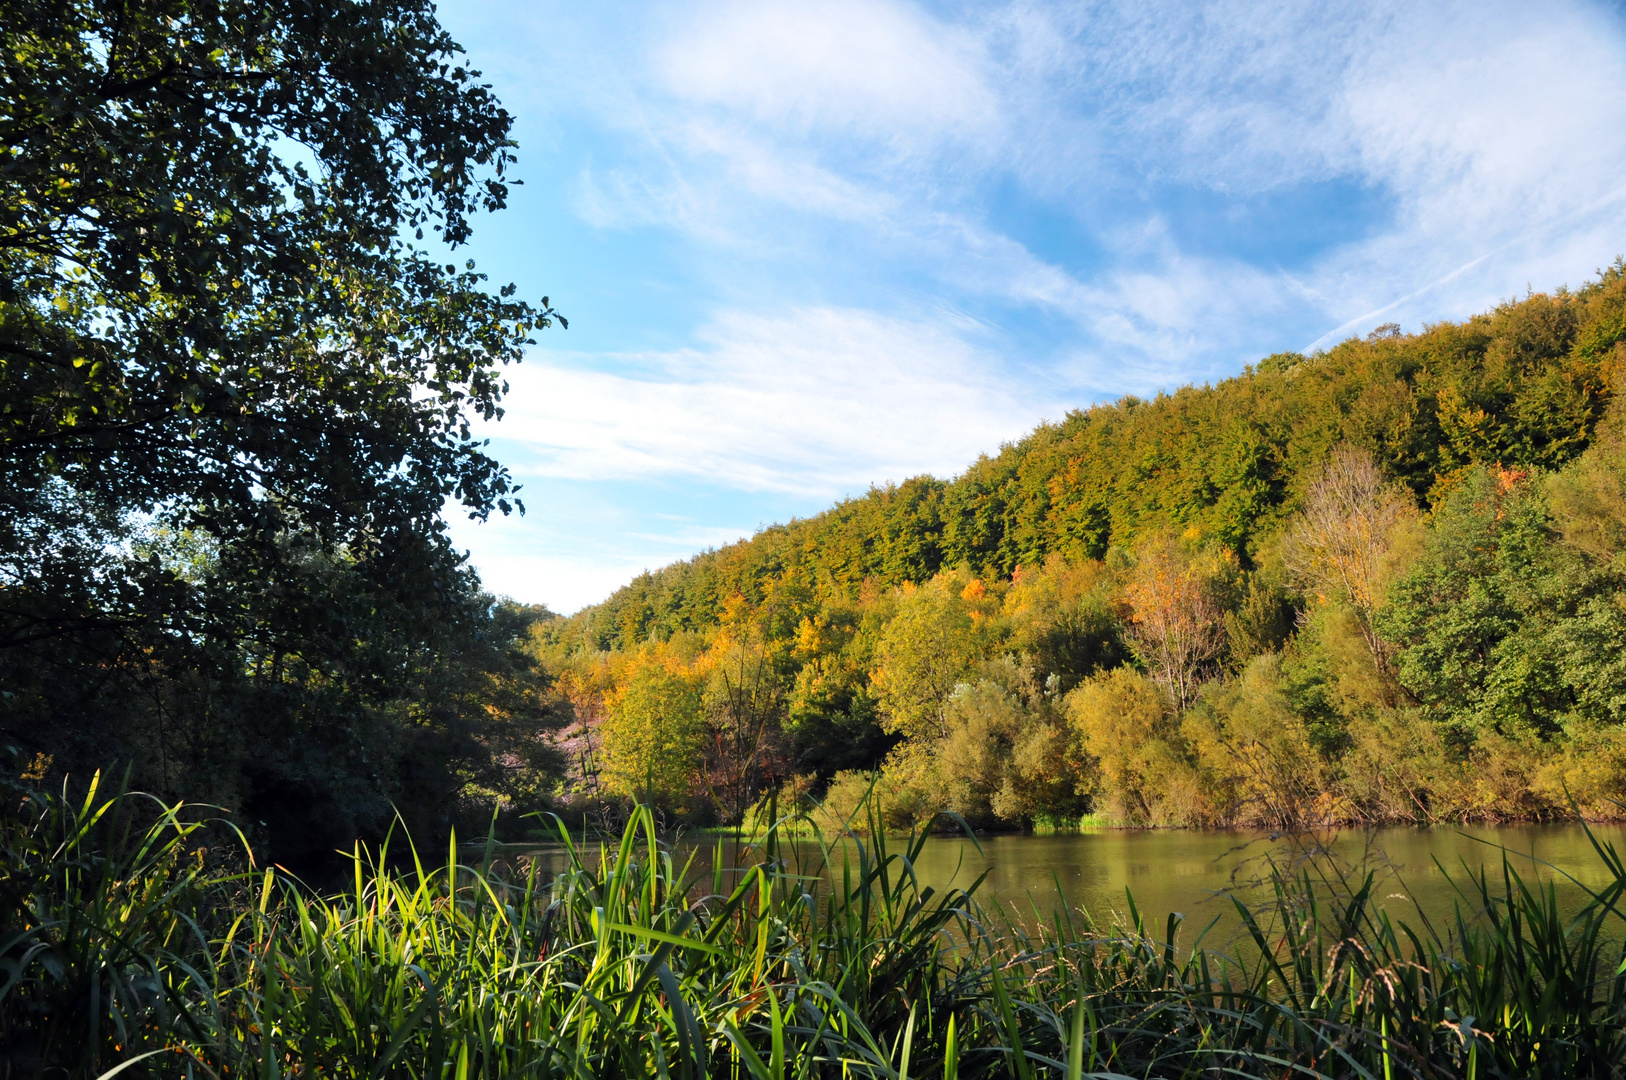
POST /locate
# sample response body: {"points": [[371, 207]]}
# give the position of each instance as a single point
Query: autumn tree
{"points": [[1589, 498], [985, 720], [1122, 720], [1258, 750], [832, 721], [745, 705], [1176, 625], [923, 654], [1062, 615], [654, 738], [1340, 545], [583, 685]]}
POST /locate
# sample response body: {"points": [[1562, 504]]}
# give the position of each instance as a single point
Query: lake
{"points": [[1195, 872]]}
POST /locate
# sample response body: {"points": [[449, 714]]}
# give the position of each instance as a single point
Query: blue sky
{"points": [[806, 247]]}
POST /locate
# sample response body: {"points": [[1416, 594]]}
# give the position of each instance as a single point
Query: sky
{"points": [[809, 247]]}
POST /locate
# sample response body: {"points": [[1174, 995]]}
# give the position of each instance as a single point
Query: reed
{"points": [[121, 947]]}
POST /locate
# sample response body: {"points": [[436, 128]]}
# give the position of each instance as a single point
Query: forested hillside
{"points": [[1377, 582]]}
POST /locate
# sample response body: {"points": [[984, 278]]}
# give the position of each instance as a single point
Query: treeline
{"points": [[1378, 583]]}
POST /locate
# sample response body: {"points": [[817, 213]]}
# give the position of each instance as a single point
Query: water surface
{"points": [[1418, 872]]}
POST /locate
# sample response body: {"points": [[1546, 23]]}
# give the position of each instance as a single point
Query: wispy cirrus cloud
{"points": [[881, 71], [767, 125]]}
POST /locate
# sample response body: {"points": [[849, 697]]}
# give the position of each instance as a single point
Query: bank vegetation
{"points": [[1383, 583]]}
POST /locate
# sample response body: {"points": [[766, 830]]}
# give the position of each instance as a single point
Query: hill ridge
{"points": [[1522, 385]]}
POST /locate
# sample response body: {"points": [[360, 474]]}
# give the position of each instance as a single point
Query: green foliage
{"points": [[237, 386], [1062, 615], [832, 718], [1589, 498], [1505, 628], [1007, 754], [1262, 620], [655, 736]]}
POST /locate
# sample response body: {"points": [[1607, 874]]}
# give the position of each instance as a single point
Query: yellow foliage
{"points": [[923, 653], [1177, 624], [1589, 498], [1256, 754], [1591, 771], [654, 735], [1124, 722]]}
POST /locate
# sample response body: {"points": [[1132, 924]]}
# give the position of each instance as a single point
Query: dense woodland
{"points": [[1379, 583]]}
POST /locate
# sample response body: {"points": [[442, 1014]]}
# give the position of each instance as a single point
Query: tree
{"points": [[985, 721], [1589, 497], [655, 735], [1501, 629], [228, 312], [746, 707], [1247, 731], [1006, 754], [192, 313], [1177, 626], [1122, 720], [1339, 546], [923, 654], [1061, 614], [831, 714]]}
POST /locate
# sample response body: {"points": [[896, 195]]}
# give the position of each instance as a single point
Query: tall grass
{"points": [[120, 945]]}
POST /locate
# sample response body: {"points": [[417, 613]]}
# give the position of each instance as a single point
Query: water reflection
{"points": [[1196, 872]]}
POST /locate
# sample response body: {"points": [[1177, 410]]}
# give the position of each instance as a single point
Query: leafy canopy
{"points": [[216, 294], [238, 371]]}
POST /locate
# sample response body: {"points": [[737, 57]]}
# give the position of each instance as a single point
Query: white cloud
{"points": [[1496, 133], [566, 583], [816, 400], [702, 195], [1472, 116], [880, 69], [773, 123], [569, 551]]}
